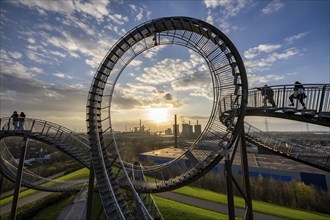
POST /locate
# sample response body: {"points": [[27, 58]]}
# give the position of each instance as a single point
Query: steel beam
{"points": [[230, 191], [1, 183], [18, 181], [246, 178], [90, 193]]}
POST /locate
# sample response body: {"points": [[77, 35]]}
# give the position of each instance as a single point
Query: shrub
{"points": [[291, 194]]}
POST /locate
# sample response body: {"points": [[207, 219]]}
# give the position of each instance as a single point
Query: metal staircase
{"points": [[31, 180], [318, 158], [52, 134]]}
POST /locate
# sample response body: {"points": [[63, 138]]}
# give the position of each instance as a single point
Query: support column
{"points": [[18, 177], [90, 193], [1, 182], [230, 192], [246, 178]]}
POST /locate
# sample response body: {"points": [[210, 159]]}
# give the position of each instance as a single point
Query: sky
{"points": [[50, 51]]}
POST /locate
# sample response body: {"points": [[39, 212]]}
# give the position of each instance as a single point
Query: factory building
{"points": [[260, 165]]}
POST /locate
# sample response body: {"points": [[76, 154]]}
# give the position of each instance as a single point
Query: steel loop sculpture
{"points": [[125, 186]]}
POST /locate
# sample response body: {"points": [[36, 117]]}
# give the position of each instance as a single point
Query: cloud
{"points": [[140, 12], [57, 53], [273, 7], [135, 62], [62, 75], [211, 3], [35, 57], [74, 43], [13, 67], [262, 48], [133, 96], [266, 62], [31, 40], [15, 55], [293, 38], [165, 71], [41, 96], [79, 24], [95, 8], [93, 61], [150, 53], [118, 18], [168, 96], [224, 10], [198, 84], [73, 54], [260, 80], [209, 18], [230, 7], [116, 29]]}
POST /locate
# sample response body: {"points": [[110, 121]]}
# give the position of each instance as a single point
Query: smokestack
{"points": [[197, 122], [140, 124], [175, 133]]}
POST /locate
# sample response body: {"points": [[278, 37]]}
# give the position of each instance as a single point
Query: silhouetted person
{"points": [[268, 95], [298, 93], [21, 120], [15, 119]]}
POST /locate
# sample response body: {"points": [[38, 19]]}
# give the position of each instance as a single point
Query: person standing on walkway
{"points": [[21, 121], [14, 116], [298, 93], [268, 95]]}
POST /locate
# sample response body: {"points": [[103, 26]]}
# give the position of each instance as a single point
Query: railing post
{"points": [[283, 100], [32, 125], [255, 99], [58, 130], [9, 123], [322, 99], [42, 131]]}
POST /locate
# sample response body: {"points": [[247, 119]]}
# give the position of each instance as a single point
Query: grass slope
{"points": [[258, 206], [175, 210], [79, 174]]}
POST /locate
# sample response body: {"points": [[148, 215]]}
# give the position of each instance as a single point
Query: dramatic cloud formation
{"points": [[96, 9], [50, 51]]}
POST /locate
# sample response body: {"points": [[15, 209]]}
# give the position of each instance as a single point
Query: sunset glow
{"points": [[158, 115]]}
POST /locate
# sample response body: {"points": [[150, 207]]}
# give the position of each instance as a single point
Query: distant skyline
{"points": [[50, 51]]}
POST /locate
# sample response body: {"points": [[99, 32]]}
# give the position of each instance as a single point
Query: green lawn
{"points": [[24, 193], [258, 206], [53, 211], [79, 174], [171, 209], [175, 210]]}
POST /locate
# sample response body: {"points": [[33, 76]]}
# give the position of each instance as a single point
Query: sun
{"points": [[158, 114]]}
